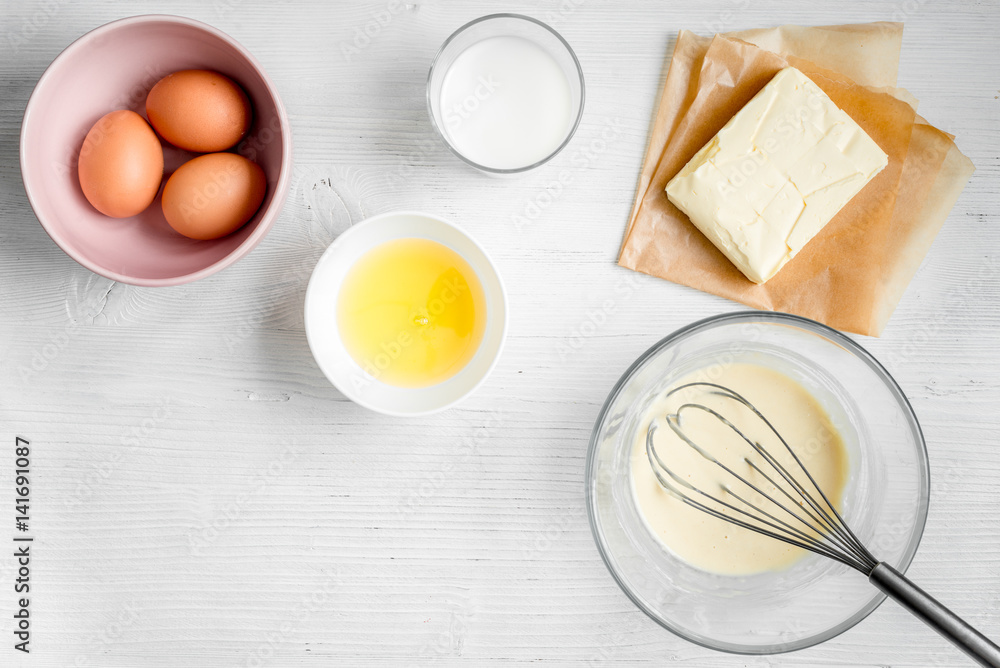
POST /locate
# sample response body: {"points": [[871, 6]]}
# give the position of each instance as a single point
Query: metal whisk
{"points": [[800, 514]]}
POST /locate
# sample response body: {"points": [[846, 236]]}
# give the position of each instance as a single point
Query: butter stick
{"points": [[776, 174]]}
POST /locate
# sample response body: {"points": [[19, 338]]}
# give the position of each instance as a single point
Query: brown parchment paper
{"points": [[853, 273], [866, 53], [936, 194]]}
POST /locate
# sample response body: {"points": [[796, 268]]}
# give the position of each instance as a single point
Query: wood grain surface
{"points": [[202, 496]]}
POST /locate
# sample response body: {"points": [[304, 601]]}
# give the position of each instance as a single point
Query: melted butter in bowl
{"points": [[709, 543]]}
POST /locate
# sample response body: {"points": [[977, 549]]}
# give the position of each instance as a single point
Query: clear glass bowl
{"points": [[885, 500], [505, 25]]}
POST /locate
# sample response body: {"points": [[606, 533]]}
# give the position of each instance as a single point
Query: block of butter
{"points": [[777, 172]]}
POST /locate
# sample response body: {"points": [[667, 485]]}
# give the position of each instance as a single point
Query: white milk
{"points": [[506, 103]]}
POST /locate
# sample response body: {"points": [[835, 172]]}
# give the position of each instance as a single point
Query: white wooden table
{"points": [[202, 496]]}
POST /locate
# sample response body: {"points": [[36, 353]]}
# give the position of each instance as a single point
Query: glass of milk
{"points": [[506, 93]]}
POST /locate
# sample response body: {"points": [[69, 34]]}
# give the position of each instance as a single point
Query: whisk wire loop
{"points": [[780, 530], [674, 422], [825, 532]]}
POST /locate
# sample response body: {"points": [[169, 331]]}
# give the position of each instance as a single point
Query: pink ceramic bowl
{"points": [[113, 67]]}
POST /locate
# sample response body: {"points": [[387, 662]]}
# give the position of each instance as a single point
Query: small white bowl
{"points": [[323, 333]]}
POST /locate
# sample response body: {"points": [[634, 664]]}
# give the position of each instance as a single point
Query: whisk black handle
{"points": [[895, 585]]}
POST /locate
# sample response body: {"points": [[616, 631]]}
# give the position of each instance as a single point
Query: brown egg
{"points": [[213, 195], [120, 164], [199, 110]]}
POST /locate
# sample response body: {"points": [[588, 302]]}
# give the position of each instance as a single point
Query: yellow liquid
{"points": [[411, 312]]}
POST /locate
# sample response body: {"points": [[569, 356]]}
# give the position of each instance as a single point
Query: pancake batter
{"points": [[710, 543]]}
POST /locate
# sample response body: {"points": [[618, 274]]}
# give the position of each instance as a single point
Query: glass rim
{"points": [[444, 137], [833, 336]]}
